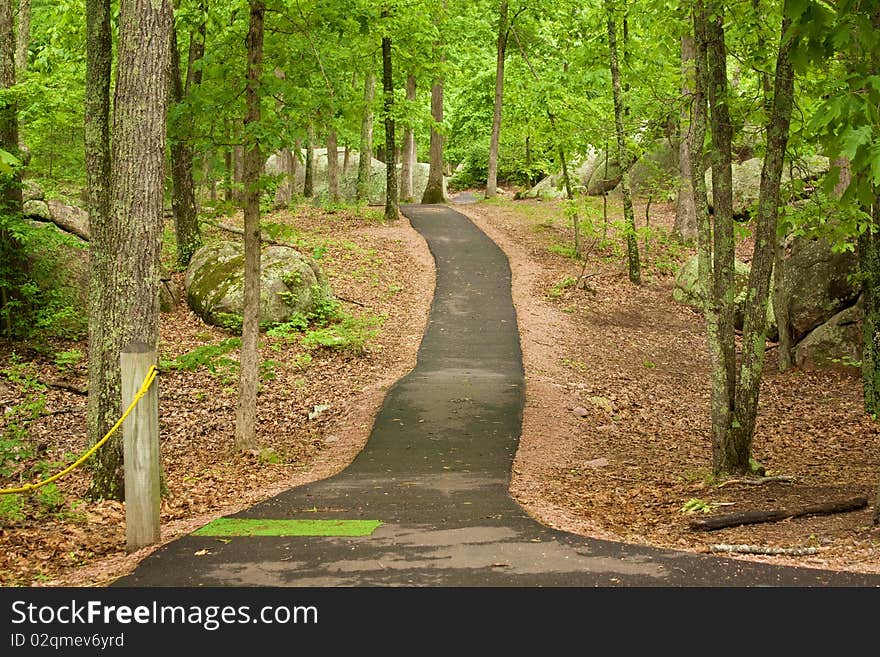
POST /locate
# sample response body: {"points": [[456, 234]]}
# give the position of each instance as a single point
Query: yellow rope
{"points": [[145, 386]]}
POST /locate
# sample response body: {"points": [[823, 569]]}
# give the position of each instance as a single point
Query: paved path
{"points": [[435, 473]]}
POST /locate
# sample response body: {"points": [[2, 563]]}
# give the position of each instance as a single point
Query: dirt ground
{"points": [[615, 435]]}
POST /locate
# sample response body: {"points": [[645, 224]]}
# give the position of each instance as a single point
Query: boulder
{"points": [[657, 170], [600, 180], [836, 344], [747, 180], [291, 284], [37, 209], [348, 179], [689, 291], [31, 191], [818, 284]]}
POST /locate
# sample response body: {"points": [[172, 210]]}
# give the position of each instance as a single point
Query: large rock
{"points": [[747, 180], [836, 344], [604, 179], [348, 179], [688, 290], [291, 284], [818, 284], [657, 170]]}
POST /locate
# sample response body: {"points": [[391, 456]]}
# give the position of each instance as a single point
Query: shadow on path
{"points": [[435, 474]]}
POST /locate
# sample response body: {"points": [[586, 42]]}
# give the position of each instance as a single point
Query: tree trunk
{"points": [[725, 456], [434, 188], [869, 268], [755, 322], [23, 40], [365, 158], [309, 178], [237, 168], [127, 245], [629, 220], [501, 48], [183, 196], [784, 351], [10, 187], [246, 407], [391, 208], [284, 193], [685, 226], [408, 161], [332, 167], [101, 255]]}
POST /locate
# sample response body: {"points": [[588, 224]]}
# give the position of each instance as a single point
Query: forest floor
{"points": [[615, 430]]}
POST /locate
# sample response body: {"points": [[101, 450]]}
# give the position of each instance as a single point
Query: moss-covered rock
{"points": [[836, 344], [290, 284], [688, 290]]}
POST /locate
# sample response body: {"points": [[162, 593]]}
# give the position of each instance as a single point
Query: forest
{"points": [[686, 190]]}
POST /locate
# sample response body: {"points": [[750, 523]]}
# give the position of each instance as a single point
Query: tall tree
{"points": [[101, 401], [332, 166], [500, 54], [434, 188], [685, 214], [408, 160], [128, 243], [391, 208], [735, 390], [623, 156], [365, 158], [23, 37], [183, 198], [246, 407]]}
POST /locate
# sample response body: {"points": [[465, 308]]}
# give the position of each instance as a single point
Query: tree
{"points": [[391, 208], [409, 147], [735, 387], [126, 242], [366, 148], [501, 51], [685, 213], [632, 247], [183, 199], [246, 407]]}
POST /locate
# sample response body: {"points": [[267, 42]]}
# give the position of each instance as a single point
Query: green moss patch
{"points": [[252, 527]]}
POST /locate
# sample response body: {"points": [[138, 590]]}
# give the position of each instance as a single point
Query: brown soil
{"points": [[615, 433]]}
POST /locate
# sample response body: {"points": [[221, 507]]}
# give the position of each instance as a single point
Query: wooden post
{"points": [[140, 433]]}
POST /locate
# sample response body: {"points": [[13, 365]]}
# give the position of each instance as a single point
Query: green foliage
{"points": [[348, 333], [696, 505], [557, 289], [68, 359], [212, 357], [11, 509]]}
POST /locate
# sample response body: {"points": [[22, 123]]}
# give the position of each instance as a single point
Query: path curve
{"points": [[435, 473]]}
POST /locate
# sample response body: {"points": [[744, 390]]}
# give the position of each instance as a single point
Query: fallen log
{"points": [[758, 481], [755, 517]]}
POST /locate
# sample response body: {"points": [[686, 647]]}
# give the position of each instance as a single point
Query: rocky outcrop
{"points": [[689, 291], [348, 178], [836, 344], [819, 283], [290, 285]]}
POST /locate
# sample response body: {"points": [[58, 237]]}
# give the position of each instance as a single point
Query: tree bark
{"points": [[309, 178], [183, 195], [23, 40], [332, 167], [501, 49], [365, 158], [784, 351], [755, 321], [284, 193], [725, 457], [775, 515], [391, 208], [10, 189], [434, 188], [97, 158], [629, 220], [246, 407], [408, 161], [126, 247], [685, 226]]}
